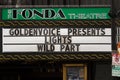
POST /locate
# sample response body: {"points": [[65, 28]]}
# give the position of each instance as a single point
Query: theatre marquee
{"points": [[56, 39]]}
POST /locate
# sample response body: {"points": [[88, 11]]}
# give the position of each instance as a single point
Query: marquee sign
{"points": [[56, 39], [54, 13]]}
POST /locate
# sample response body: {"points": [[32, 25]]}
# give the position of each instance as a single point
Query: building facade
{"points": [[56, 39]]}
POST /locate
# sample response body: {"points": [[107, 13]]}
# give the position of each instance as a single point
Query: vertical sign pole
{"points": [[114, 31], [114, 46]]}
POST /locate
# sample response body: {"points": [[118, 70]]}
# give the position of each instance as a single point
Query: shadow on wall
{"points": [[16, 2], [55, 2]]}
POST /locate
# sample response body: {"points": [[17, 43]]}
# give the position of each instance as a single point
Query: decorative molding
{"points": [[117, 22], [51, 23], [54, 57]]}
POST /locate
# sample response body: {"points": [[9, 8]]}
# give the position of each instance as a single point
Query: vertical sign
{"points": [[116, 64], [116, 61]]}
